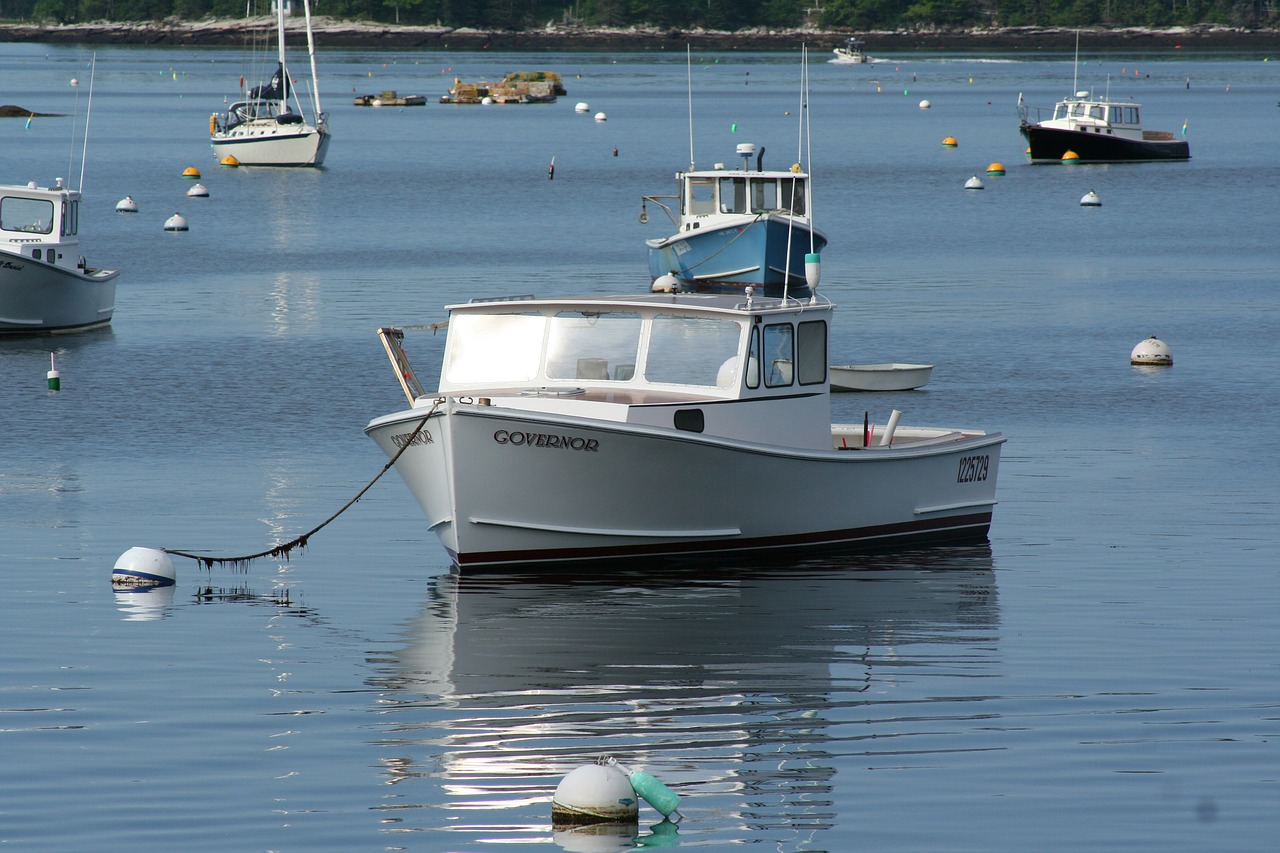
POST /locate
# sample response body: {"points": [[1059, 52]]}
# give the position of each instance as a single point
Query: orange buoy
{"points": [[191, 172], [995, 169], [950, 142], [1070, 157]]}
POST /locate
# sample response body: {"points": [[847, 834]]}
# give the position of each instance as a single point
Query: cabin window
{"points": [[1096, 111], [494, 349], [1131, 115], [70, 218], [811, 349], [764, 195], [36, 253], [779, 355], [593, 346], [1060, 111], [32, 215], [793, 196], [733, 195], [690, 350], [752, 377], [702, 196], [1116, 114]]}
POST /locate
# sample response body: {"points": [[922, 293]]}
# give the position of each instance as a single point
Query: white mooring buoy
{"points": [[974, 183], [582, 107], [594, 793], [127, 205], [601, 117], [1152, 352], [198, 191], [177, 222], [143, 567], [666, 283], [1090, 199], [924, 105]]}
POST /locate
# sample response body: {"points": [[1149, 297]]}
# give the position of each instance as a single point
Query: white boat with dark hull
{"points": [[737, 228], [892, 376], [268, 127], [1097, 130], [664, 425], [45, 285]]}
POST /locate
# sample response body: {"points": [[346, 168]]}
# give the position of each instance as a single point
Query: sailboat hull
{"points": [[267, 143]]}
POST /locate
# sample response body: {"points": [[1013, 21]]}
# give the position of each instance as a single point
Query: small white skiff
{"points": [[879, 377], [664, 425]]}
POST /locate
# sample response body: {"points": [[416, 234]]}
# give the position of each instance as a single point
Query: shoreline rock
{"points": [[335, 33]]}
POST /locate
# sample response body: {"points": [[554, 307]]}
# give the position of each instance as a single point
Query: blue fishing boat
{"points": [[736, 228]]}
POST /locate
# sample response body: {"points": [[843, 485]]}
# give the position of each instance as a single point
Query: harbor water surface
{"points": [[1102, 676]]}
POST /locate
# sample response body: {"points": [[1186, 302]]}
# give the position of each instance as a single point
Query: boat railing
{"points": [[658, 200]]}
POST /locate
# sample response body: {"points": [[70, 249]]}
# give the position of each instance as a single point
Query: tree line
{"points": [[723, 15]]}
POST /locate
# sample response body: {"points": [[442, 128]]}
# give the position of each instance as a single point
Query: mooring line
{"points": [[282, 551]]}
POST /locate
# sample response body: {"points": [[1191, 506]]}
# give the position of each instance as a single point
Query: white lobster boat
{"points": [[664, 425], [46, 287]]}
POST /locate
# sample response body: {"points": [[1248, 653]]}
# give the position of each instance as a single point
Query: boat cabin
{"points": [[648, 359], [37, 221], [749, 193], [1110, 117]]}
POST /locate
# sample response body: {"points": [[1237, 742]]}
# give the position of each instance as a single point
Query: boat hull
{"points": [[596, 490], [766, 252], [879, 377], [273, 145], [38, 298], [1049, 145]]}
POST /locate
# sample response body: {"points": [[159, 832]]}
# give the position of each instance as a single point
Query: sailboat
{"points": [[268, 127]]}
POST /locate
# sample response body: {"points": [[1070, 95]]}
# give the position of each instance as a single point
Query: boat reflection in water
{"points": [[740, 690]]}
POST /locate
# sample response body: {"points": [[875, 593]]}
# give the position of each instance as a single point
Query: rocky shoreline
{"points": [[336, 33]]}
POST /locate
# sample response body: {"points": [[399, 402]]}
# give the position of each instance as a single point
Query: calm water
{"points": [[1103, 676]]}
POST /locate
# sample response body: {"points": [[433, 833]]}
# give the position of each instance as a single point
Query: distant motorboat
{"points": [[879, 377], [852, 53], [655, 426], [268, 127], [736, 228]]}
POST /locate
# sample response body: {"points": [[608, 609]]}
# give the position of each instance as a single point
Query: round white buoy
{"points": [[176, 223], [924, 105], [198, 191], [127, 205], [582, 107], [1090, 199], [143, 567], [594, 793], [1152, 352], [487, 101], [974, 183], [75, 82], [601, 117], [666, 283]]}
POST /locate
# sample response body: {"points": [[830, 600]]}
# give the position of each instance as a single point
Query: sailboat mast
{"points": [[285, 85], [311, 52]]}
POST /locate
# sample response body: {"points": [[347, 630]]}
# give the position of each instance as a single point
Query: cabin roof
{"points": [[692, 303]]}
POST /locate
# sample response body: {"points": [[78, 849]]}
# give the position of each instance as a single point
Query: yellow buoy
{"points": [[230, 161], [1070, 157], [191, 172], [950, 142], [995, 169]]}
